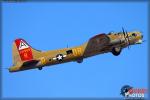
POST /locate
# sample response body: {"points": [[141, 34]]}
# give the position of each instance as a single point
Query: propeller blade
{"points": [[123, 30], [124, 34], [128, 40]]}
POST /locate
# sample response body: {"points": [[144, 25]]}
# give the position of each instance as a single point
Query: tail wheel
{"points": [[116, 51]]}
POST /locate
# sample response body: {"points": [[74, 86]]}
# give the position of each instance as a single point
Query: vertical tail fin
{"points": [[22, 51]]}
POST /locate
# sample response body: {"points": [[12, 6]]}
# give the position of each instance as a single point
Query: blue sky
{"points": [[54, 25]]}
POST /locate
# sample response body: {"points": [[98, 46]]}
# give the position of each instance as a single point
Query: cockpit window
{"points": [[133, 34], [119, 33], [69, 52], [110, 33]]}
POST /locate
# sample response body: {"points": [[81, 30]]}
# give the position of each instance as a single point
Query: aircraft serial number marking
{"points": [[77, 51]]}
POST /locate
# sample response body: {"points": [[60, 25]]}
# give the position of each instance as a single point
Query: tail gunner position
{"points": [[25, 57]]}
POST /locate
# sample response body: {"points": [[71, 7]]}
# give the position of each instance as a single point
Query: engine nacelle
{"points": [[116, 41], [116, 51]]}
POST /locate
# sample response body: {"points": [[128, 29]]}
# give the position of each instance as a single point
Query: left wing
{"points": [[95, 44]]}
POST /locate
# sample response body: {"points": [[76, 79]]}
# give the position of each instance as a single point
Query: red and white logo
{"points": [[133, 93], [23, 45], [24, 50]]}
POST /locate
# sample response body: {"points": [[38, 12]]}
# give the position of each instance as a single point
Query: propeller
{"points": [[126, 36]]}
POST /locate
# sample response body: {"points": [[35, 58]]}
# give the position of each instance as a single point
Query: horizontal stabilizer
{"points": [[30, 63]]}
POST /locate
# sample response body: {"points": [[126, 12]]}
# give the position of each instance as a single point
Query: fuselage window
{"points": [[69, 52]]}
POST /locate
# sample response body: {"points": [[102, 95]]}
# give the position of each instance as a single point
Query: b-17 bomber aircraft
{"points": [[25, 57]]}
